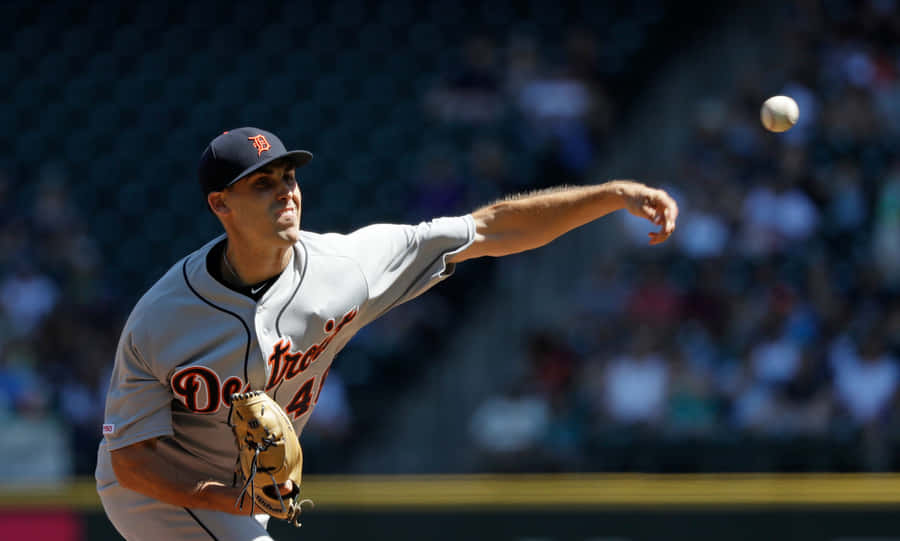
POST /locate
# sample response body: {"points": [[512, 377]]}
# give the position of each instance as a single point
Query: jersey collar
{"points": [[205, 285]]}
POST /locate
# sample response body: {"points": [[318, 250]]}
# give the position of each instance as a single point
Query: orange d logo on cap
{"points": [[260, 143]]}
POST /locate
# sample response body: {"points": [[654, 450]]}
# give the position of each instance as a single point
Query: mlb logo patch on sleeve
{"points": [[109, 429]]}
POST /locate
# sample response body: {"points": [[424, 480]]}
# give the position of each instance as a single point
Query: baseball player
{"points": [[266, 307]]}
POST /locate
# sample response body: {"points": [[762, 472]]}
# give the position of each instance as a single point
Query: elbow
{"points": [[500, 246]]}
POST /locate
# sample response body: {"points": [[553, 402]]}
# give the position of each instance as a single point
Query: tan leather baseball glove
{"points": [[269, 455]]}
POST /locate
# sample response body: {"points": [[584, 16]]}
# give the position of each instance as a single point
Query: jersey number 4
{"points": [[300, 404]]}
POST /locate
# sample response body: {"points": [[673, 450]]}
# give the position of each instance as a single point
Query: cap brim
{"points": [[299, 157]]}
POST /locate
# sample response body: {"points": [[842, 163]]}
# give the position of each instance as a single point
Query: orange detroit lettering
{"points": [[260, 143], [285, 364]]}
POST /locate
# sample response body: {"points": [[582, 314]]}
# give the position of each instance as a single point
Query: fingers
{"points": [[658, 207], [657, 238], [664, 213], [648, 207]]}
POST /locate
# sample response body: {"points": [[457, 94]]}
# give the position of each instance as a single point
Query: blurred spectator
{"points": [[556, 107], [552, 363], [471, 93], [846, 211], [566, 108], [805, 403], [27, 297], [523, 62], [636, 384], [692, 403], [655, 299], [703, 232], [775, 217], [37, 450], [37, 454], [21, 384], [866, 379], [776, 358], [886, 234], [564, 444], [508, 429]]}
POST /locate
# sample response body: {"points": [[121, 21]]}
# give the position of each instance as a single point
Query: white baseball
{"points": [[779, 113]]}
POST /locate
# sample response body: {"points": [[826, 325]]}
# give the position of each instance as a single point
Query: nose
{"points": [[286, 188]]}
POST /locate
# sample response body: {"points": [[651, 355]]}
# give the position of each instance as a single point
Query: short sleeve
{"points": [[400, 262], [138, 404]]}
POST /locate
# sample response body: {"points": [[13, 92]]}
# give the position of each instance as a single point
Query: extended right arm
{"points": [[141, 468]]}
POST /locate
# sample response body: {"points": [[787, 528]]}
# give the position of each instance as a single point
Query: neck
{"points": [[253, 265]]}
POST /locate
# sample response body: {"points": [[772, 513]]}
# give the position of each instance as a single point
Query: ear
{"points": [[217, 203]]}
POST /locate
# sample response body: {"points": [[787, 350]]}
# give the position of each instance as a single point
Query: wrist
{"points": [[217, 496], [624, 191]]}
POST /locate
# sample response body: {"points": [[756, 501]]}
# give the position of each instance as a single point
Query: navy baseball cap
{"points": [[236, 153]]}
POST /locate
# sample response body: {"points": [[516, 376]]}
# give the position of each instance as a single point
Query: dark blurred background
{"points": [[764, 336]]}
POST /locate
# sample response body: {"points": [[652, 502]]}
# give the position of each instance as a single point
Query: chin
{"points": [[290, 236]]}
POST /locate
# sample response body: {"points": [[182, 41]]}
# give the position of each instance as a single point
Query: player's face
{"points": [[266, 205]]}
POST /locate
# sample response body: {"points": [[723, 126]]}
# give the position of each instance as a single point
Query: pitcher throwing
{"points": [[265, 307]]}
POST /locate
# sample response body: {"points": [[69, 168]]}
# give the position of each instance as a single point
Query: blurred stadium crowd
{"points": [[765, 337], [768, 337]]}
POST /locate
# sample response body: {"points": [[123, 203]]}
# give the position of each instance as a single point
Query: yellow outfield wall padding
{"points": [[539, 491]]}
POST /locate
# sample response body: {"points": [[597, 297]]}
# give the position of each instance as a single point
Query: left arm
{"points": [[525, 222]]}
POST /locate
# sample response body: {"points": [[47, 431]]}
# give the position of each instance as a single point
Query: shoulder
{"points": [[351, 244], [458, 226]]}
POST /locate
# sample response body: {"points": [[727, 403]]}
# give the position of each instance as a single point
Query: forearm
{"points": [[529, 221], [140, 468]]}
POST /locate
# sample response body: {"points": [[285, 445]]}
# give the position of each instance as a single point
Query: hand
{"points": [[654, 205], [286, 488]]}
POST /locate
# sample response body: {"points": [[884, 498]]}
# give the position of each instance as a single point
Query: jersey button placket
{"points": [[261, 325], [263, 334]]}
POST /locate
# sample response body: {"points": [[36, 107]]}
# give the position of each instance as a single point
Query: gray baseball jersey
{"points": [[190, 342]]}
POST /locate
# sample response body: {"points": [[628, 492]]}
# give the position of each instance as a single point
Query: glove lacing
{"points": [[239, 503]]}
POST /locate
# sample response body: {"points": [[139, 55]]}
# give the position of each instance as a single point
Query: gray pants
{"points": [[139, 518]]}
